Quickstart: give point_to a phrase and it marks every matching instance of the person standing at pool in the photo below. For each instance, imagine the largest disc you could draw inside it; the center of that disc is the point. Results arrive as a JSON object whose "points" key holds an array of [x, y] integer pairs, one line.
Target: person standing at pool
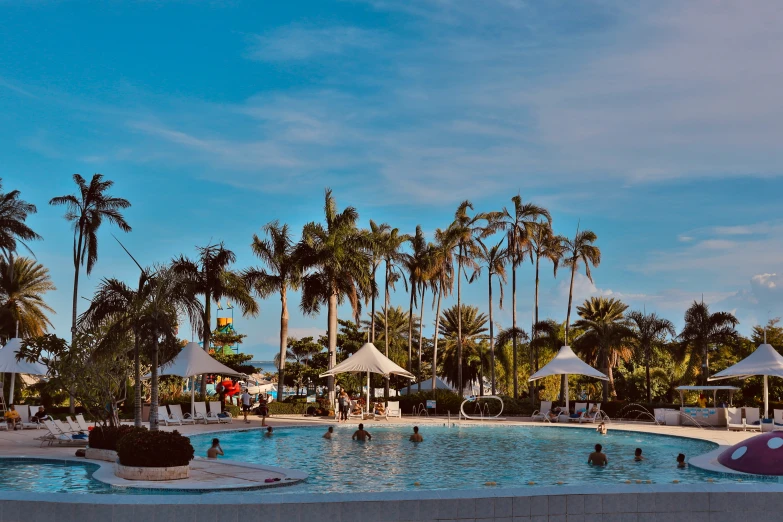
{"points": [[342, 405], [360, 434], [681, 461], [637, 456], [246, 405], [329, 432], [215, 450], [416, 437], [263, 410], [597, 458]]}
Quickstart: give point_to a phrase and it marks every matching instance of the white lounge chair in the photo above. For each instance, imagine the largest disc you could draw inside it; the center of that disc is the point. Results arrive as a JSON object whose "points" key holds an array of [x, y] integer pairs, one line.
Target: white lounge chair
{"points": [[176, 413], [392, 410], [734, 419], [215, 409], [63, 427], [165, 418], [24, 414], [57, 435], [580, 408], [75, 428], [777, 420], [593, 417], [201, 413], [351, 414], [33, 411], [752, 419], [540, 415], [82, 423]]}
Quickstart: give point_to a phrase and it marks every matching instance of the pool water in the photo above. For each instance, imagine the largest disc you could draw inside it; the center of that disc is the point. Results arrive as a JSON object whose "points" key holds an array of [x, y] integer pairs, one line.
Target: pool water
{"points": [[462, 457], [50, 476]]}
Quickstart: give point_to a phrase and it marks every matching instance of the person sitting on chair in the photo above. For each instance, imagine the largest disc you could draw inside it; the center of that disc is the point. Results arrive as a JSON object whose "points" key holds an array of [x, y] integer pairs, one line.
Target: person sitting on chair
{"points": [[12, 417], [554, 413], [379, 409], [39, 416]]}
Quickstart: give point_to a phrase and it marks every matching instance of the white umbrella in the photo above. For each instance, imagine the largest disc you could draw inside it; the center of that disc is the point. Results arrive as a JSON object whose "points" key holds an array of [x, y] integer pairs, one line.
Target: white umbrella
{"points": [[567, 363], [426, 385], [192, 360], [368, 359], [9, 364], [764, 361]]}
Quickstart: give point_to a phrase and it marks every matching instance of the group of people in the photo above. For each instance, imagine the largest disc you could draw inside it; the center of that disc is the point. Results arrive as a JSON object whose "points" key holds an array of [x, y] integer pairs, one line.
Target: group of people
{"points": [[557, 411], [14, 420], [598, 457], [346, 405], [247, 406]]}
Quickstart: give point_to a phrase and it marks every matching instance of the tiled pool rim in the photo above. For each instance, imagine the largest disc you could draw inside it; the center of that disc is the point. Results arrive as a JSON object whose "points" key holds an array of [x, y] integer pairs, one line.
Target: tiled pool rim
{"points": [[622, 503]]}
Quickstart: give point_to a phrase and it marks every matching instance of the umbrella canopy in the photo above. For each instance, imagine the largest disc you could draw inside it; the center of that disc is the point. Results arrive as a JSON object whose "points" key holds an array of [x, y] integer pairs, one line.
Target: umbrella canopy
{"points": [[764, 361], [369, 360], [9, 364], [193, 360], [567, 363], [426, 385]]}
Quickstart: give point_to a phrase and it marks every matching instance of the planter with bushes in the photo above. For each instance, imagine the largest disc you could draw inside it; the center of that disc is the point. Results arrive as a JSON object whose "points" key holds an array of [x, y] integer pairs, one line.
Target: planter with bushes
{"points": [[103, 441], [154, 455]]}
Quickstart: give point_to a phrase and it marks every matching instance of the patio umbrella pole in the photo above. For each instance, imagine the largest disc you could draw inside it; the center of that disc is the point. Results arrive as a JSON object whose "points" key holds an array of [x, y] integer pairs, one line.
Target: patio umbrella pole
{"points": [[368, 392], [566, 392], [13, 380], [192, 395], [766, 396]]}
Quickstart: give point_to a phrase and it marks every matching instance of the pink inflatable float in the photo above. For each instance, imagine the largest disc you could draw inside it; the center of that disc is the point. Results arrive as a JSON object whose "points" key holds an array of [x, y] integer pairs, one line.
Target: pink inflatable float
{"points": [[760, 455]]}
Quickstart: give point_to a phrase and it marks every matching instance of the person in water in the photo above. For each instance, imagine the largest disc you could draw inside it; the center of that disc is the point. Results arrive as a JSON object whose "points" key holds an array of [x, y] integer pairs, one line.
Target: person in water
{"points": [[681, 461], [637, 456], [601, 429], [215, 450], [597, 458], [360, 434], [416, 437], [329, 432]]}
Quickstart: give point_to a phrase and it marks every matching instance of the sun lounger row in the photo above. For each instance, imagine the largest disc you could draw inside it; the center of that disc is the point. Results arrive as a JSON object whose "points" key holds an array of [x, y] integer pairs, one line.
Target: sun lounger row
{"points": [[174, 416], [583, 412], [71, 432], [26, 414]]}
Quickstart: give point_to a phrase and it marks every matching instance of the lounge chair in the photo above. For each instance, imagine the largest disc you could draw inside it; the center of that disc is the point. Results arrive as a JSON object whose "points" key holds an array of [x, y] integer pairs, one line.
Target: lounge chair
{"points": [[176, 413], [165, 418], [351, 414], [752, 419], [82, 423], [777, 420], [201, 413], [24, 414], [215, 409], [734, 419], [75, 428], [540, 415], [57, 435], [593, 417], [63, 427], [580, 408], [392, 410]]}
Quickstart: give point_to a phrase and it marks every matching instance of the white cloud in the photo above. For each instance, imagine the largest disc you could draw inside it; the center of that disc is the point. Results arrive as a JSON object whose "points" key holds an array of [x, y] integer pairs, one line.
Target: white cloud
{"points": [[295, 332], [297, 42]]}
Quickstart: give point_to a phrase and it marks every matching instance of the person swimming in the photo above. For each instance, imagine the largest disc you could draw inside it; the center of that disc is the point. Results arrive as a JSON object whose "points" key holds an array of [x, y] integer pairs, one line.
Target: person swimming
{"points": [[215, 450], [416, 437], [268, 431], [597, 458], [602, 429], [637, 456], [681, 461], [360, 434], [329, 432]]}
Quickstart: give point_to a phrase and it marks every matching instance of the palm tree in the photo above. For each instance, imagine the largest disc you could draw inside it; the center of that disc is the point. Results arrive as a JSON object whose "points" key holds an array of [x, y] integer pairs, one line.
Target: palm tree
{"points": [[392, 257], [416, 265], [13, 214], [519, 225], [472, 327], [466, 231], [87, 210], [576, 251], [649, 330], [441, 275], [605, 332], [510, 361], [338, 254], [378, 235], [23, 283], [494, 260], [210, 276], [703, 329], [544, 244], [278, 252]]}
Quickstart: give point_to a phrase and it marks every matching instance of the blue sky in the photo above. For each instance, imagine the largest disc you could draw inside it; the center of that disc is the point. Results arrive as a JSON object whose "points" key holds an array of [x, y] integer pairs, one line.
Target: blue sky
{"points": [[658, 125]]}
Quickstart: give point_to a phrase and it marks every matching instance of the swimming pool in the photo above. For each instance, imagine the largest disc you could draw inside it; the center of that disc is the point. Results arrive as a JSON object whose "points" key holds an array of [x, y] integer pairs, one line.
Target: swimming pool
{"points": [[50, 476], [465, 457]]}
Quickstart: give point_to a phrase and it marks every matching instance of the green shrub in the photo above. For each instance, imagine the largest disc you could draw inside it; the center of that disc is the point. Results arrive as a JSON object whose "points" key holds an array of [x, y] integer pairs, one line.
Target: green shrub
{"points": [[288, 408], [154, 449], [106, 437], [232, 409]]}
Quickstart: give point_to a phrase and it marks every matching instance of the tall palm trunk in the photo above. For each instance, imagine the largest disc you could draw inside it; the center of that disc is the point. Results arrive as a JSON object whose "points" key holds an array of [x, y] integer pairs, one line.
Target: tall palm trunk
{"points": [[435, 345], [372, 311], [283, 341], [459, 323], [386, 331], [514, 326], [491, 342], [332, 333], [207, 337], [154, 379], [647, 370], [410, 337], [567, 324], [421, 339], [77, 261], [533, 335], [137, 411]]}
